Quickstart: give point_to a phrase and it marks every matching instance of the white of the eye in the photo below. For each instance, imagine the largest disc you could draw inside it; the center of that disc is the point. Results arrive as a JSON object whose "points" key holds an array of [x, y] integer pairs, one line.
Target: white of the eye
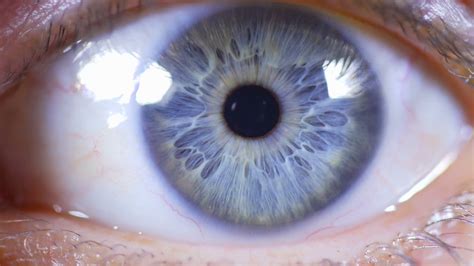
{"points": [[95, 158]]}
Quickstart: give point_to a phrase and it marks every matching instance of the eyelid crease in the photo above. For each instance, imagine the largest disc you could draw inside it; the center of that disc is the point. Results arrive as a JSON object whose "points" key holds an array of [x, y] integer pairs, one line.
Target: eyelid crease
{"points": [[71, 23], [35, 241]]}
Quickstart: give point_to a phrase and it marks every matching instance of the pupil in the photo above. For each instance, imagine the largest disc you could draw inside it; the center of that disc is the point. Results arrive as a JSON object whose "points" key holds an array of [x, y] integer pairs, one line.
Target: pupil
{"points": [[251, 111]]}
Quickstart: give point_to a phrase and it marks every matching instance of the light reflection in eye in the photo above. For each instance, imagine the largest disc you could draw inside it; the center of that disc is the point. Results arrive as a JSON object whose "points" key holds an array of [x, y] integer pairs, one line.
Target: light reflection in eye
{"points": [[116, 82], [117, 76], [341, 81], [78, 214], [153, 85], [116, 119], [436, 172]]}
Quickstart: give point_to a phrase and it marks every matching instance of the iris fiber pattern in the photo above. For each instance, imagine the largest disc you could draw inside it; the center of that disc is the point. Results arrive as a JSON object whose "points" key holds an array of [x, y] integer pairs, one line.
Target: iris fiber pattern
{"points": [[321, 144]]}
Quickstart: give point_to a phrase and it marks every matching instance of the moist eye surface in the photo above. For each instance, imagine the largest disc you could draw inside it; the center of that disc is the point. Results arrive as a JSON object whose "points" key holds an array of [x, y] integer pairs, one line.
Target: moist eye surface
{"points": [[272, 115], [251, 111]]}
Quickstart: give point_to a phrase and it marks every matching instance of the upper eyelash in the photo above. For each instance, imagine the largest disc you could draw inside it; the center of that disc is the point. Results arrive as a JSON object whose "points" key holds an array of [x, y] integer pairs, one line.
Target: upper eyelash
{"points": [[457, 54], [63, 30], [60, 38]]}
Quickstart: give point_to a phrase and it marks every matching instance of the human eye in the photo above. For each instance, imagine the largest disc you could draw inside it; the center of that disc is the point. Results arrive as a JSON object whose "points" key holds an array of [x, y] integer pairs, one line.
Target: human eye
{"points": [[373, 138]]}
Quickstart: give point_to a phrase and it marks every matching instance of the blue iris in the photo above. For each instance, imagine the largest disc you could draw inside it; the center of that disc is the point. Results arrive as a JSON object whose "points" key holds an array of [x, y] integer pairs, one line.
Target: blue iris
{"points": [[315, 152]]}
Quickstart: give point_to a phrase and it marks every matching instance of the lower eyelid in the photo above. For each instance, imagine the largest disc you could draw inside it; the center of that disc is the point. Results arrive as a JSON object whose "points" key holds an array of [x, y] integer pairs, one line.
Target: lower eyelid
{"points": [[24, 244], [28, 237], [109, 250]]}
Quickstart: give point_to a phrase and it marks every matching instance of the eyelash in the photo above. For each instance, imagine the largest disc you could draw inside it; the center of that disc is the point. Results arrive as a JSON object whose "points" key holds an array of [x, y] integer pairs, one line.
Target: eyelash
{"points": [[59, 38], [405, 18], [457, 58], [459, 210], [63, 29]]}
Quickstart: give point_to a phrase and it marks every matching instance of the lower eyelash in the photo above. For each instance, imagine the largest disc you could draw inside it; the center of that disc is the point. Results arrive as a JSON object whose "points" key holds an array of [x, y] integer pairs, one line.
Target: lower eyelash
{"points": [[457, 213], [36, 241]]}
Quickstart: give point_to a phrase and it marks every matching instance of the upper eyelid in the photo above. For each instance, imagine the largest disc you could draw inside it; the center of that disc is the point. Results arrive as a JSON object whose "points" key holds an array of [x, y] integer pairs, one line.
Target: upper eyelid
{"points": [[75, 17], [443, 28], [40, 28]]}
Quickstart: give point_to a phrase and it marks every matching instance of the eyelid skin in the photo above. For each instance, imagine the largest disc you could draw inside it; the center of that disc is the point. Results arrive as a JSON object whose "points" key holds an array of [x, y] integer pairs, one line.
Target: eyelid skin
{"points": [[31, 234], [34, 38], [38, 28], [444, 28]]}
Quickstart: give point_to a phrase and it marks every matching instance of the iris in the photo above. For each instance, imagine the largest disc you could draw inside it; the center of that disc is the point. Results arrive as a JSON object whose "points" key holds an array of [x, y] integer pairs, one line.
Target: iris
{"points": [[271, 117]]}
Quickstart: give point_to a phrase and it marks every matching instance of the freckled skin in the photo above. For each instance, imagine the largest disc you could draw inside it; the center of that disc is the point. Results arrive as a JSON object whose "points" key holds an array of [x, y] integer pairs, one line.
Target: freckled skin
{"points": [[459, 177]]}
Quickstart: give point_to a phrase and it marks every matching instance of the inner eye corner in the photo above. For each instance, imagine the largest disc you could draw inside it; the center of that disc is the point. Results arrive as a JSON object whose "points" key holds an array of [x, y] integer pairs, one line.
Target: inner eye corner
{"points": [[266, 128]]}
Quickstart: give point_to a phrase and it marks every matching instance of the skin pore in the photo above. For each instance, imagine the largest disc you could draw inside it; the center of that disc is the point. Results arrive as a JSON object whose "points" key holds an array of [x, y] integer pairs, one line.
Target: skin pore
{"points": [[441, 30]]}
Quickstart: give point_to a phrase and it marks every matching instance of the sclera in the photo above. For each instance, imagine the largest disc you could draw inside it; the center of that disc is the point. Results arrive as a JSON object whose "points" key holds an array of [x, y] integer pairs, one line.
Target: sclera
{"points": [[90, 155]]}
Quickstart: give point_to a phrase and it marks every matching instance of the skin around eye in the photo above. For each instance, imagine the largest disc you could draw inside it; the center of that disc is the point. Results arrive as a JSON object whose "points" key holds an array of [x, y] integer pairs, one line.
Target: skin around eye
{"points": [[91, 149], [100, 245]]}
